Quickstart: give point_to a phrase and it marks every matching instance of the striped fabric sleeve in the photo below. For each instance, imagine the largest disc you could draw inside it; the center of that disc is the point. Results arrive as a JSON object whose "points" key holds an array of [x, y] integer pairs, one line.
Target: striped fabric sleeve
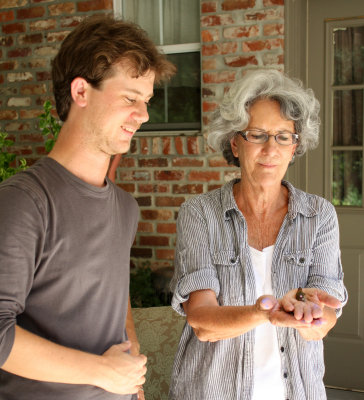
{"points": [[193, 267], [326, 271]]}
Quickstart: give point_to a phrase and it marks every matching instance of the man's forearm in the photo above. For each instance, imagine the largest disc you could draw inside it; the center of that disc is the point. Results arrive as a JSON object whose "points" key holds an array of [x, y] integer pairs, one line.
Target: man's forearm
{"points": [[36, 358]]}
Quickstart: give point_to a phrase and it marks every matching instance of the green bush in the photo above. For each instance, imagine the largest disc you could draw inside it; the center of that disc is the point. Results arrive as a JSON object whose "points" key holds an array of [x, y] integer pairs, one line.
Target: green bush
{"points": [[7, 159]]}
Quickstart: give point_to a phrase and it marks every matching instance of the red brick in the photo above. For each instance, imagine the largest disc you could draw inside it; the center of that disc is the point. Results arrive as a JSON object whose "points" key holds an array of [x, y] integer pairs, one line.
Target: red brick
{"points": [[30, 114], [193, 145], [273, 13], [229, 5], [157, 215], [168, 175], [211, 35], [187, 162], [8, 114], [216, 20], [164, 254], [146, 227], [144, 145], [21, 52], [273, 29], [209, 106], [133, 147], [127, 162], [210, 63], [219, 77], [70, 22], [166, 143], [240, 61], [208, 92], [7, 65], [210, 50], [166, 228], [208, 6], [6, 41], [272, 59], [213, 187], [128, 187], [43, 25], [268, 3], [55, 37], [217, 161], [169, 201], [241, 31], [229, 47], [153, 240], [31, 137], [41, 150], [129, 175], [30, 12], [153, 188], [16, 27], [6, 16], [22, 150], [141, 252], [94, 5], [30, 39], [61, 8], [152, 162], [16, 127], [188, 189], [145, 201], [178, 142], [43, 76], [204, 176]]}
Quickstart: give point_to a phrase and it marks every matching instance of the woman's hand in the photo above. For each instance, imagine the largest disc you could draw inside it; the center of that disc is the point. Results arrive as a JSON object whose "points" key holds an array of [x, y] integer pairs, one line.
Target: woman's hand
{"points": [[316, 312]]}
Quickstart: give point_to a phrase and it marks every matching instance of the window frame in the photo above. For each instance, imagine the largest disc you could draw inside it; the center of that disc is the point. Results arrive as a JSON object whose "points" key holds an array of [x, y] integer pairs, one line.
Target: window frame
{"points": [[172, 128]]}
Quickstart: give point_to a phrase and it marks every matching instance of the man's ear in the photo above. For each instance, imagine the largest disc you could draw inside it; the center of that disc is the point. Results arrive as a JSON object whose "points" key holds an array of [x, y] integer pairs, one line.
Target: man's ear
{"points": [[79, 88]]}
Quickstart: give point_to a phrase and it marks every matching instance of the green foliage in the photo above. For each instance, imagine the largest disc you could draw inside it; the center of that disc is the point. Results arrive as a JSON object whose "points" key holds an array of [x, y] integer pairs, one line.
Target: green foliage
{"points": [[142, 290], [49, 126], [7, 159]]}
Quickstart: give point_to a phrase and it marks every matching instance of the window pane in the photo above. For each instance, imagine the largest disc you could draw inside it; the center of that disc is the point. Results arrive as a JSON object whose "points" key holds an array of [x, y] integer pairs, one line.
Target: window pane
{"points": [[179, 100], [347, 178], [348, 118], [349, 55], [181, 20], [144, 13]]}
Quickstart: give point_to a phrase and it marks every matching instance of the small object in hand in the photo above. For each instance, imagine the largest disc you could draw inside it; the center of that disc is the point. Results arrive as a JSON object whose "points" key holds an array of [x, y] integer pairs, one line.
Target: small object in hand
{"points": [[300, 296]]}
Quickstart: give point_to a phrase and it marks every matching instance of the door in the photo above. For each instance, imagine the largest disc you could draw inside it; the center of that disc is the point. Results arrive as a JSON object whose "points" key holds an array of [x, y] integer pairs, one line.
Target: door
{"points": [[328, 54]]}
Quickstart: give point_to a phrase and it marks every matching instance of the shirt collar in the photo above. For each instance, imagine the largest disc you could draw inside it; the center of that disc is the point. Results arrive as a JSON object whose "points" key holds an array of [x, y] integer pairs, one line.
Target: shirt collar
{"points": [[298, 201]]}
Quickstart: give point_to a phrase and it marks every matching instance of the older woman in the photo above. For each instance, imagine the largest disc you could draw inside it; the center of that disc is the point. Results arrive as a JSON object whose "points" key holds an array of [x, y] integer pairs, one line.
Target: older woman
{"points": [[244, 252]]}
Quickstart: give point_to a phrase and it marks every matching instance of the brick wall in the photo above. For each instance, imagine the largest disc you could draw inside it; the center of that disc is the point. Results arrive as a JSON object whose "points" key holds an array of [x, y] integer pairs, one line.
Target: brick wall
{"points": [[161, 171]]}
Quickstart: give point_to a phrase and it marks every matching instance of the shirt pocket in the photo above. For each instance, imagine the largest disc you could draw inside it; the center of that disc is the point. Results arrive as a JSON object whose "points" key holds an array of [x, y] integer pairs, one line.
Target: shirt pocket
{"points": [[228, 267], [297, 267]]}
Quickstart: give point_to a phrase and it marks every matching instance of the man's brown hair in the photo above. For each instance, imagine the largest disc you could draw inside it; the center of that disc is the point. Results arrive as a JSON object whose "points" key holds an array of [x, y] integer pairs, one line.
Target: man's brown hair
{"points": [[94, 46]]}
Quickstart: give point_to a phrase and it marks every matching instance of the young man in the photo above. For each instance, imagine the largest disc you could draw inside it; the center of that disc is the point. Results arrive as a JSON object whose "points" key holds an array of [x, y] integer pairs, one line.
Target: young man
{"points": [[65, 316]]}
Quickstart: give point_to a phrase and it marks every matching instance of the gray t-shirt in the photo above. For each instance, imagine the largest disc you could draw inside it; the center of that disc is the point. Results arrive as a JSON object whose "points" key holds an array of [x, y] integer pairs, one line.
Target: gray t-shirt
{"points": [[64, 269]]}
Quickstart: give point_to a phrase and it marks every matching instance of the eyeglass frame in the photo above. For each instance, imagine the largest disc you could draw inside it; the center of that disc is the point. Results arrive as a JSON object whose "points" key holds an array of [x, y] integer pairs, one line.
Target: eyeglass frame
{"points": [[267, 136]]}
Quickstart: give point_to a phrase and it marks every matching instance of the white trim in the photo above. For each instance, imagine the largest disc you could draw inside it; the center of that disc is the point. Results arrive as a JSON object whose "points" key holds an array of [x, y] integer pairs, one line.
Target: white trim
{"points": [[118, 8], [180, 48]]}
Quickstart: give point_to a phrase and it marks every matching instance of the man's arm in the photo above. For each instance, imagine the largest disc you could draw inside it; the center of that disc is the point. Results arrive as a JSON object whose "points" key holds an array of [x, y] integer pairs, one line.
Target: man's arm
{"points": [[36, 358]]}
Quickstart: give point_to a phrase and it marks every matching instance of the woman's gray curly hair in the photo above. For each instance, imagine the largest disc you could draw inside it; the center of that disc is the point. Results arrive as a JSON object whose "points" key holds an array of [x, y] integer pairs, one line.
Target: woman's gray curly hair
{"points": [[297, 104]]}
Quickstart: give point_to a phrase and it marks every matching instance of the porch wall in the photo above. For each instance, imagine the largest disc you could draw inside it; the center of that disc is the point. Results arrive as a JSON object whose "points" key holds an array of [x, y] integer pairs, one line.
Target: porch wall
{"points": [[161, 171]]}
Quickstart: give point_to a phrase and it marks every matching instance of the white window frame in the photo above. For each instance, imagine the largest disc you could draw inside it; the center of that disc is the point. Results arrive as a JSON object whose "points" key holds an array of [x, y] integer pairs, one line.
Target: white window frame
{"points": [[166, 49]]}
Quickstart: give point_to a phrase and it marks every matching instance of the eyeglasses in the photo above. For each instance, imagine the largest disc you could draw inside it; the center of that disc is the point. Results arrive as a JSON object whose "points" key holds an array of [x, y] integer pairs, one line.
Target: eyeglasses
{"points": [[259, 136]]}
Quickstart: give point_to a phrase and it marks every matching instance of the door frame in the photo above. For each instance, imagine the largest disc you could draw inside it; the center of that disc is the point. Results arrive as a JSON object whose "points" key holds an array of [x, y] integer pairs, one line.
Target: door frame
{"points": [[295, 66]]}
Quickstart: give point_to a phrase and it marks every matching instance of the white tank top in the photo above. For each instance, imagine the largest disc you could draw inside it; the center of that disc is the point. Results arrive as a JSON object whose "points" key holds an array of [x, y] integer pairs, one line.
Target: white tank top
{"points": [[268, 383]]}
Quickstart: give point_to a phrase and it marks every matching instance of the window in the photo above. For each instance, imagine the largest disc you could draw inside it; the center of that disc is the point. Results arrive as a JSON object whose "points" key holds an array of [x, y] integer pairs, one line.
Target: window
{"points": [[174, 26], [347, 113]]}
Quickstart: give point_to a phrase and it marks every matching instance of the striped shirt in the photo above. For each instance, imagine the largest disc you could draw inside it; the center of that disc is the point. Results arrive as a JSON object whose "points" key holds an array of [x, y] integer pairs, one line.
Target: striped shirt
{"points": [[213, 253]]}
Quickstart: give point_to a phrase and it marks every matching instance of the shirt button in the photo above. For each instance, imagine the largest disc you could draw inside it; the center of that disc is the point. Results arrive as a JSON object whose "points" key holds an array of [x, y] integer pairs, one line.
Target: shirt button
{"points": [[282, 349], [301, 260], [232, 260], [285, 375]]}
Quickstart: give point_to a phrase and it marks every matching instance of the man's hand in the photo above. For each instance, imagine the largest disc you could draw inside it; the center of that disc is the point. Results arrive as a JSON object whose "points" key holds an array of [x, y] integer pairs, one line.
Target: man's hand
{"points": [[124, 372]]}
